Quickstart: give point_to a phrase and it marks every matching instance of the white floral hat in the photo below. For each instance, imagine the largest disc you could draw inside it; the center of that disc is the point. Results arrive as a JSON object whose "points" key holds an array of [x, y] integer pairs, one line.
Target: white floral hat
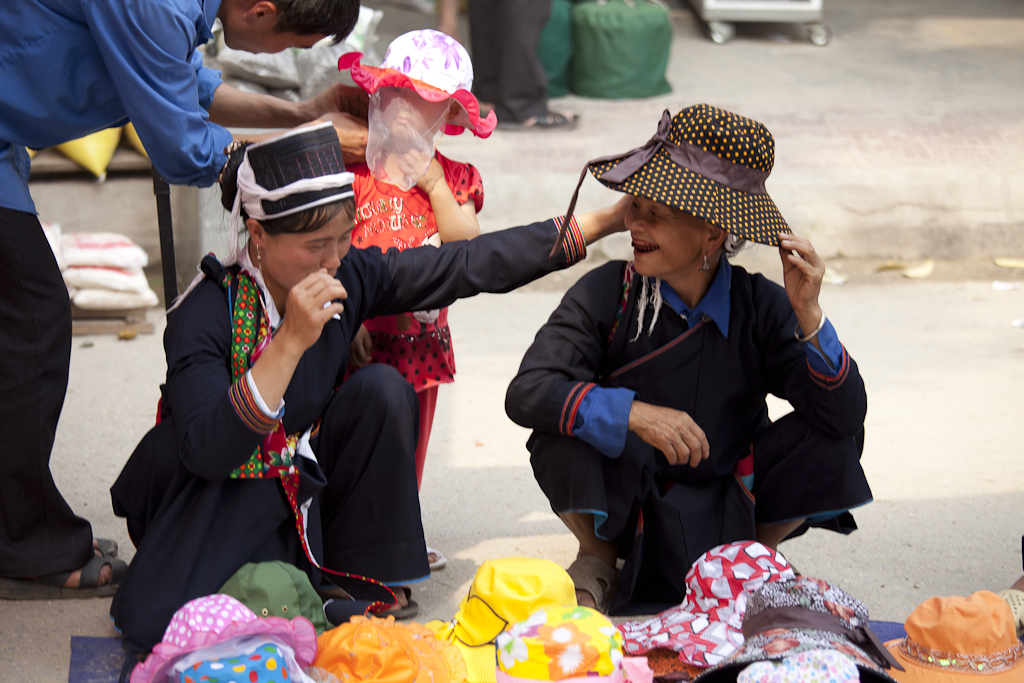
{"points": [[433, 64], [566, 644]]}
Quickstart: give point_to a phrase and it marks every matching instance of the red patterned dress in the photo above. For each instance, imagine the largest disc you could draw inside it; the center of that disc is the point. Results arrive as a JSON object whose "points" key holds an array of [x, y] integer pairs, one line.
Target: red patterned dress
{"points": [[388, 217]]}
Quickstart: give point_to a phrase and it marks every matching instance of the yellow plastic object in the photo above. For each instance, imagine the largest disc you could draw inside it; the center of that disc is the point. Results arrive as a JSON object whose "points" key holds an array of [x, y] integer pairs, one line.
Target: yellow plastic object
{"points": [[132, 136], [1010, 262], [93, 152], [922, 270], [561, 642]]}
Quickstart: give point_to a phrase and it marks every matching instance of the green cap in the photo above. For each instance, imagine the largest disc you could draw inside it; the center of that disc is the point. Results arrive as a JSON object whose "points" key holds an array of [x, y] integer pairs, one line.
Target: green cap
{"points": [[276, 589]]}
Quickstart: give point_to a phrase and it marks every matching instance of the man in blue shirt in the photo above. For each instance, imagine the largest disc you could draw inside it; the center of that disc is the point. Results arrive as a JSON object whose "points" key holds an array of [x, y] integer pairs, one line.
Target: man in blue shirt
{"points": [[70, 68]]}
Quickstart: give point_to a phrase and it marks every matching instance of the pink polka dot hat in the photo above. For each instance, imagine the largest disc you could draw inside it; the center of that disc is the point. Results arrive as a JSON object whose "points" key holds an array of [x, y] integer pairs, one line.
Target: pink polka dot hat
{"points": [[214, 619]]}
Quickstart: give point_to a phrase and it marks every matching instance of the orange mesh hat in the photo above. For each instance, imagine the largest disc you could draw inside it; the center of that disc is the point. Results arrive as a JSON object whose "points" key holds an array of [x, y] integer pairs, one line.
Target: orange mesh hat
{"points": [[383, 651], [960, 640], [706, 161]]}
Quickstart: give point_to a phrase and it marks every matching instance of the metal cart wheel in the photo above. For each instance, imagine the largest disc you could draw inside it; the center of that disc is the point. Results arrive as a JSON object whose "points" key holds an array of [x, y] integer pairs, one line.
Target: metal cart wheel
{"points": [[819, 33], [721, 31]]}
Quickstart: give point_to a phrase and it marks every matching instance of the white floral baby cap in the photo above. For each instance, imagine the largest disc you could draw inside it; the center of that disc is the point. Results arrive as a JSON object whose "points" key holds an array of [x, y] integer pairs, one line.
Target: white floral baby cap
{"points": [[812, 666], [432, 57]]}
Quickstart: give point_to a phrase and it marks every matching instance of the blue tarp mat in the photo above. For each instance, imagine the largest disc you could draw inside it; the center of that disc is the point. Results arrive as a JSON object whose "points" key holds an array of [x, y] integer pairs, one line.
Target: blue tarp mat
{"points": [[95, 660]]}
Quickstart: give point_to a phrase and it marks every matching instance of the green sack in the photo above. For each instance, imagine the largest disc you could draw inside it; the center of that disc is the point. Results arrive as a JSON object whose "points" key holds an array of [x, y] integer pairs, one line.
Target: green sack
{"points": [[555, 47], [621, 49]]}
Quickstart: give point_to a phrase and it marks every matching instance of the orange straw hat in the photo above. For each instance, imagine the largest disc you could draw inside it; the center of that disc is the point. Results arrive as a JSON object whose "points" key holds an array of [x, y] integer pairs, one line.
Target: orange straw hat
{"points": [[960, 640]]}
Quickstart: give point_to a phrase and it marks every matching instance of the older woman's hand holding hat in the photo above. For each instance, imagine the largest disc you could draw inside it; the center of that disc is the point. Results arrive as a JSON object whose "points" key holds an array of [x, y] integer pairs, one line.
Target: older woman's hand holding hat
{"points": [[803, 271]]}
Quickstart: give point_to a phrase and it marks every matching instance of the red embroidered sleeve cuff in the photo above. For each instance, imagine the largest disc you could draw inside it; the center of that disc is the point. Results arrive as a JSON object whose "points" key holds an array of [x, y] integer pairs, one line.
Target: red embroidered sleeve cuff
{"points": [[251, 408], [574, 244], [835, 382], [572, 406]]}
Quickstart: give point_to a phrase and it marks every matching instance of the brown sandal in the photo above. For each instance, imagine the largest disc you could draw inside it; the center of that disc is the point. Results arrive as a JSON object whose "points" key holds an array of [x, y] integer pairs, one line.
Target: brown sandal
{"points": [[593, 575]]}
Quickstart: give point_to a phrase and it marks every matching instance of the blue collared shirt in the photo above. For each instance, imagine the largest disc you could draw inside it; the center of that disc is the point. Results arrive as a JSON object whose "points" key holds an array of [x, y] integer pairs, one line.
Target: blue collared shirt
{"points": [[73, 67], [603, 416]]}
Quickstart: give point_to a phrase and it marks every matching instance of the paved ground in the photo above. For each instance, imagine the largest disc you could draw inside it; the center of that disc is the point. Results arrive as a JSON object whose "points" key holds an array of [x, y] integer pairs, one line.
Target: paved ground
{"points": [[900, 139]]}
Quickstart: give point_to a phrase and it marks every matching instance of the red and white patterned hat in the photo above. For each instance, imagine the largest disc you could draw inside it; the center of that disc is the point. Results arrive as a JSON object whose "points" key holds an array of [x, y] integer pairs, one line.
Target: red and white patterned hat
{"points": [[707, 627]]}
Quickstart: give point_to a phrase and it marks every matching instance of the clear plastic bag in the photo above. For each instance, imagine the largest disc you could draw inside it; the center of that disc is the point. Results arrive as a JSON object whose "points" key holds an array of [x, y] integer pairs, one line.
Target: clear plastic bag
{"points": [[403, 134], [270, 70]]}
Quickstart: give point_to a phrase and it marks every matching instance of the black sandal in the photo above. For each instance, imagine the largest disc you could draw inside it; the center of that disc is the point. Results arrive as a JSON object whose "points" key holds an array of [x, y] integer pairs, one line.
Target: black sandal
{"points": [[549, 120], [51, 586], [411, 609]]}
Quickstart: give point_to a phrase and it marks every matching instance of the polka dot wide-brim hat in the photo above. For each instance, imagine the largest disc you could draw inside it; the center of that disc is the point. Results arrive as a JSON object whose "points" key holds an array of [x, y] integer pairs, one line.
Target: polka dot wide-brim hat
{"points": [[708, 162], [215, 619]]}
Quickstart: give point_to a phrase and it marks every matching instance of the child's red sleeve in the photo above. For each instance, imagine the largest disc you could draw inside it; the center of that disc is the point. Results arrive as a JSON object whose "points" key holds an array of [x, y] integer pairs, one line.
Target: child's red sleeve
{"points": [[464, 181]]}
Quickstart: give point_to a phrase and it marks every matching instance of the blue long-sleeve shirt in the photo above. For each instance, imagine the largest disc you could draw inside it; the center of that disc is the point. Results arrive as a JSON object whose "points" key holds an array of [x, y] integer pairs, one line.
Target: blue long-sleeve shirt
{"points": [[603, 416], [73, 67]]}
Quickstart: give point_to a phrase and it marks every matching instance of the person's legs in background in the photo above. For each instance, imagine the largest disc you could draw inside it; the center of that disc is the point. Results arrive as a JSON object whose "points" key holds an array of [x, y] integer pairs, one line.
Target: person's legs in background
{"points": [[39, 533], [504, 35]]}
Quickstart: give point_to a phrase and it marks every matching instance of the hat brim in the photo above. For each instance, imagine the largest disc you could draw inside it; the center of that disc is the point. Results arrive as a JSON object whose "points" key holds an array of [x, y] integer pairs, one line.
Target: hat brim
{"points": [[372, 78], [916, 672], [299, 634], [750, 216]]}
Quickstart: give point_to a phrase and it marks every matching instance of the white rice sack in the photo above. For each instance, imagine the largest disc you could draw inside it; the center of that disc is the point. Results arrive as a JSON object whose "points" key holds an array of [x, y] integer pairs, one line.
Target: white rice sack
{"points": [[107, 300], [53, 236], [275, 70], [103, 249], [99, 277]]}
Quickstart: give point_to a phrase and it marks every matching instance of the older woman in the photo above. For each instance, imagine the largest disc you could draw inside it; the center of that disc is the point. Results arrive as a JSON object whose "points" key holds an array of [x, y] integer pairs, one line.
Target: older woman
{"points": [[646, 388], [259, 454]]}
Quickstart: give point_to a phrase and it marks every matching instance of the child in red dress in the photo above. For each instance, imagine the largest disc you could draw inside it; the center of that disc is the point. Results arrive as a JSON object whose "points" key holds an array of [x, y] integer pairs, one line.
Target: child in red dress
{"points": [[410, 195]]}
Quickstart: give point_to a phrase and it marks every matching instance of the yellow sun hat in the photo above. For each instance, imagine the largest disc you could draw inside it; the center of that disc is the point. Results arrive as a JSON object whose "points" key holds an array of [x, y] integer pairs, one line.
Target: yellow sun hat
{"points": [[503, 592]]}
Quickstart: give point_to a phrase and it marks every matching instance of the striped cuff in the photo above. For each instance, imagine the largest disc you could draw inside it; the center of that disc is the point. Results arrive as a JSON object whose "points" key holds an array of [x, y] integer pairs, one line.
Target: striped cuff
{"points": [[572, 406], [573, 243], [829, 383], [251, 408]]}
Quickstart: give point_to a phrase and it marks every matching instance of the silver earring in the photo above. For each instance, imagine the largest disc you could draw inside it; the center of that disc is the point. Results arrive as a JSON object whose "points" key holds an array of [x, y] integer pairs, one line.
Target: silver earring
{"points": [[703, 269]]}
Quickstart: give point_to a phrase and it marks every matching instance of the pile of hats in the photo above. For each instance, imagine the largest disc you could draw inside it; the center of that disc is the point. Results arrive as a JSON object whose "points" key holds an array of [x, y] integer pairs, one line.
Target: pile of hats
{"points": [[103, 271], [519, 623]]}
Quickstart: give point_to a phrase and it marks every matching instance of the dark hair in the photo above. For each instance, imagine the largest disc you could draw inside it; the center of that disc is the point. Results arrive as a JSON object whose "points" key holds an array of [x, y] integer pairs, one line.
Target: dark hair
{"points": [[309, 220], [305, 17]]}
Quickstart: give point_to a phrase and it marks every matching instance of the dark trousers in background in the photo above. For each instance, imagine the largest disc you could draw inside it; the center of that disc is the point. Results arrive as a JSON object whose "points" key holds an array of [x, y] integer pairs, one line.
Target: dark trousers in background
{"points": [[504, 35], [39, 534]]}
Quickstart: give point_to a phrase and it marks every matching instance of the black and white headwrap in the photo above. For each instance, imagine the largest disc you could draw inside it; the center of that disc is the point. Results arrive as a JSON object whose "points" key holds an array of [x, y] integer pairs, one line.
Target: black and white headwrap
{"points": [[297, 171], [294, 172]]}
